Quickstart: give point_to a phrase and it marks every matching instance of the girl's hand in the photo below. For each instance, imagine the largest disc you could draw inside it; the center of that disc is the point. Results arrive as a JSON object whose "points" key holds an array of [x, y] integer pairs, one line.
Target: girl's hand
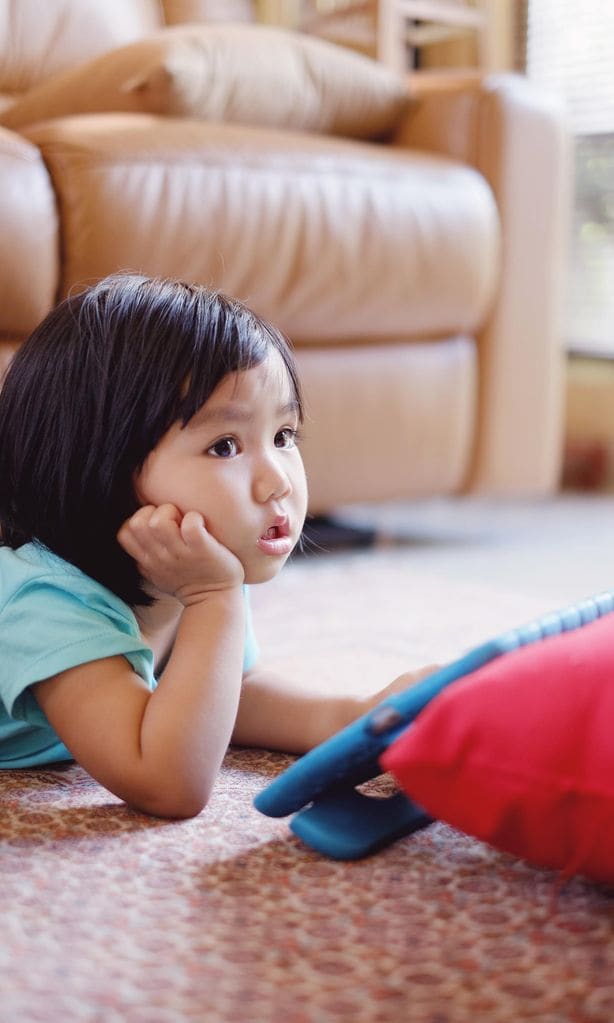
{"points": [[177, 554], [404, 681], [276, 714]]}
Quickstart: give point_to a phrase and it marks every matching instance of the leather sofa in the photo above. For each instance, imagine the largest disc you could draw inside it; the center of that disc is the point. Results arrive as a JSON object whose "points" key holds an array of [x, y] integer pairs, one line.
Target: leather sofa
{"points": [[418, 273]]}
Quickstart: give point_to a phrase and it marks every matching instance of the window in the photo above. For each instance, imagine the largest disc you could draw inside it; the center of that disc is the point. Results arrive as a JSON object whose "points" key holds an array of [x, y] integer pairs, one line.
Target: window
{"points": [[570, 49]]}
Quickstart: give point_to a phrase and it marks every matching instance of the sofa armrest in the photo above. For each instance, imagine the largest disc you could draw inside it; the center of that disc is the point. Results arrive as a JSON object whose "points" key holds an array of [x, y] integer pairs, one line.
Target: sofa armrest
{"points": [[29, 240], [516, 137]]}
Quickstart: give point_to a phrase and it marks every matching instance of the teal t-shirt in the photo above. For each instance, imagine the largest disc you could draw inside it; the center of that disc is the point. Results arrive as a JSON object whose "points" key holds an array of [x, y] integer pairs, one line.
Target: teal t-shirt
{"points": [[54, 617]]}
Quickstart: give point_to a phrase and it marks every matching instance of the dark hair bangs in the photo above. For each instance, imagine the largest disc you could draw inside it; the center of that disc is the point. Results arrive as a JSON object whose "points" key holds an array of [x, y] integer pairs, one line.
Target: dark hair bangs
{"points": [[238, 340]]}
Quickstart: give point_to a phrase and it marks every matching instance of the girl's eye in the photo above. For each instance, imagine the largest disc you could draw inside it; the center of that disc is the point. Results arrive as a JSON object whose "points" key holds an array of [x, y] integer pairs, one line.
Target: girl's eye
{"points": [[286, 438], [224, 448]]}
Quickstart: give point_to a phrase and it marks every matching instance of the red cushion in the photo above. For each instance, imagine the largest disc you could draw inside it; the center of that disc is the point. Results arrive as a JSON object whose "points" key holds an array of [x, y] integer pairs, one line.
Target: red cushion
{"points": [[521, 753]]}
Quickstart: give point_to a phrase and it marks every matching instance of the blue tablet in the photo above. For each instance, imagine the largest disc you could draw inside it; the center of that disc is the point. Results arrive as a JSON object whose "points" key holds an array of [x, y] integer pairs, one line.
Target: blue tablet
{"points": [[339, 820]]}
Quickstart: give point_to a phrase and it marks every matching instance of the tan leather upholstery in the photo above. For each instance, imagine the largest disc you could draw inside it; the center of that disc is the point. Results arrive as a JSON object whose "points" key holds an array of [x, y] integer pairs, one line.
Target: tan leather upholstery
{"points": [[420, 280], [294, 224], [29, 238], [228, 74], [418, 440], [39, 39], [520, 343]]}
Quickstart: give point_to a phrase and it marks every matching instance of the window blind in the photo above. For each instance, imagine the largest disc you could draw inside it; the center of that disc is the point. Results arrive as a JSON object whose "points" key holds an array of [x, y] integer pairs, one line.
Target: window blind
{"points": [[570, 50]]}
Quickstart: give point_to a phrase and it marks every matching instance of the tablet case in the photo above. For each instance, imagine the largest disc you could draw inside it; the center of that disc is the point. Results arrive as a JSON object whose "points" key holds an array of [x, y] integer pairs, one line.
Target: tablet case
{"points": [[334, 816]]}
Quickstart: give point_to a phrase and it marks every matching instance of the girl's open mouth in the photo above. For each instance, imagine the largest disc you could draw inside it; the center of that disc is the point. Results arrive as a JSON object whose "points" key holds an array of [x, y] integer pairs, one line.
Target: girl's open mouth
{"points": [[277, 540]]}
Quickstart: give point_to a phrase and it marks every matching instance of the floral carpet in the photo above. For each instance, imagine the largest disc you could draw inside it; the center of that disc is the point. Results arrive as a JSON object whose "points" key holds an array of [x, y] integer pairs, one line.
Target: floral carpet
{"points": [[109, 916]]}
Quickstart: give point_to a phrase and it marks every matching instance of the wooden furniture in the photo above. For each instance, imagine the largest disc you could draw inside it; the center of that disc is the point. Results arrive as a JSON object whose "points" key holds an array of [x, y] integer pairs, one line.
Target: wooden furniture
{"points": [[394, 31]]}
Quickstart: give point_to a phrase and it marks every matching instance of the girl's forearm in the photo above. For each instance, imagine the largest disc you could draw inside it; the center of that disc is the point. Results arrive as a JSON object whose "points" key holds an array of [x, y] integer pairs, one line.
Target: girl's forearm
{"points": [[188, 719], [159, 751], [274, 714]]}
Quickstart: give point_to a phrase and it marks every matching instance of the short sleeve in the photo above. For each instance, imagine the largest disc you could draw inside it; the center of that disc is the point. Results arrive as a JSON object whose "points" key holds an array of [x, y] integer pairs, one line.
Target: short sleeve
{"points": [[53, 617], [251, 651], [53, 628]]}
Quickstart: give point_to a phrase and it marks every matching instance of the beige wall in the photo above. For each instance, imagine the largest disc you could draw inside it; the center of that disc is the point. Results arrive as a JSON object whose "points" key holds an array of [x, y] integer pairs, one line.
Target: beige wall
{"points": [[278, 12], [590, 419]]}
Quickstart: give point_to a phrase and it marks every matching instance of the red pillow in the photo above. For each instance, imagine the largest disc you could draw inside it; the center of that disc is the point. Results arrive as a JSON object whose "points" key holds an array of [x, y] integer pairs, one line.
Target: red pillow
{"points": [[521, 753]]}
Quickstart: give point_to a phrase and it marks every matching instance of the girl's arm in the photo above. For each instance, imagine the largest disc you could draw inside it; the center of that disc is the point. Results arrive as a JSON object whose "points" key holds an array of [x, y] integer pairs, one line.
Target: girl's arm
{"points": [[274, 714], [161, 751]]}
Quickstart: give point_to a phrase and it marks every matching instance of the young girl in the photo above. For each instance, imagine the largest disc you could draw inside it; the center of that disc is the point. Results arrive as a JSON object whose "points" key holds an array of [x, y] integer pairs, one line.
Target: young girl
{"points": [[149, 469]]}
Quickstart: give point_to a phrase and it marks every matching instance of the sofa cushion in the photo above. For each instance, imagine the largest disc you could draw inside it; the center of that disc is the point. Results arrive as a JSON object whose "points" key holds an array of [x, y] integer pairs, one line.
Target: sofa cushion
{"points": [[330, 238], [38, 40], [29, 240], [405, 410], [249, 74]]}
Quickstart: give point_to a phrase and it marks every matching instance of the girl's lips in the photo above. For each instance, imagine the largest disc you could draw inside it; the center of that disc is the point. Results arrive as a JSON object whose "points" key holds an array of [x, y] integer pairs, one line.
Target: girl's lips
{"points": [[277, 540]]}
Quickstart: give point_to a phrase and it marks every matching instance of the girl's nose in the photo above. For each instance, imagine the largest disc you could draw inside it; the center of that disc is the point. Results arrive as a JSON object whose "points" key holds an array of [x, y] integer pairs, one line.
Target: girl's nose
{"points": [[271, 481]]}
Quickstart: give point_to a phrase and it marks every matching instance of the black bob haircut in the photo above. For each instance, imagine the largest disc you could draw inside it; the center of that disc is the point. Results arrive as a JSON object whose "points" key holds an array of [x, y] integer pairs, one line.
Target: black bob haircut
{"points": [[91, 393]]}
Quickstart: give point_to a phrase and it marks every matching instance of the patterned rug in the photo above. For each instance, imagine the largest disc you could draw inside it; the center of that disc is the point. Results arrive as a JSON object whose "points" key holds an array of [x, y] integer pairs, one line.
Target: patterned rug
{"points": [[109, 916]]}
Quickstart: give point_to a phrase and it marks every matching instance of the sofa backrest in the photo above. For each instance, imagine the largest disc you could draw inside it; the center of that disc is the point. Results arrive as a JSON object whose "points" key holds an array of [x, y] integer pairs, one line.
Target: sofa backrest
{"points": [[41, 37], [38, 39]]}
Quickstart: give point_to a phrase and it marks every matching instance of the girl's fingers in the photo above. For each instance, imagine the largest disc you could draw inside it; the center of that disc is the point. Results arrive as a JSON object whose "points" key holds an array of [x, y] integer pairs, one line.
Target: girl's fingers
{"points": [[153, 527], [153, 535], [163, 526], [193, 529], [131, 533], [174, 551], [163, 516]]}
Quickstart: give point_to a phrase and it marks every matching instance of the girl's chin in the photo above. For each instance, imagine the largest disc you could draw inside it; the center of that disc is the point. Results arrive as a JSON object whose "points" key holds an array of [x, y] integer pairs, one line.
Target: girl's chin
{"points": [[266, 570]]}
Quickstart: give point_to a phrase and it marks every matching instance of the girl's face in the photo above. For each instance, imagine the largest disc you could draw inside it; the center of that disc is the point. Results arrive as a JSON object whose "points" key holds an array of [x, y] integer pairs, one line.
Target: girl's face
{"points": [[236, 462]]}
